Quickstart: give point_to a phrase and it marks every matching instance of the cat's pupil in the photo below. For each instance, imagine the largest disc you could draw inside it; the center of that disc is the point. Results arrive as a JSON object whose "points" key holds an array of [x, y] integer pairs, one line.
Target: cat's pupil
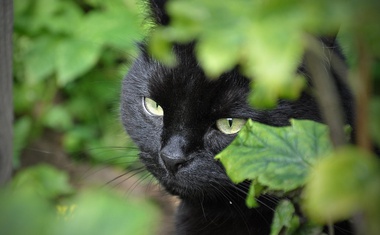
{"points": [[230, 121]]}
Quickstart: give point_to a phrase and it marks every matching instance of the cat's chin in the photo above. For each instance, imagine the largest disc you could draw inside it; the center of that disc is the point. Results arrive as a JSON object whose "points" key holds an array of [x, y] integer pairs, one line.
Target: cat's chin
{"points": [[201, 179]]}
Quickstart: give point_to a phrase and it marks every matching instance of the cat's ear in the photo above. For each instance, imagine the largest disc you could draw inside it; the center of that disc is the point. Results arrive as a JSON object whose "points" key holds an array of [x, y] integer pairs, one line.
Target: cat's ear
{"points": [[158, 12], [329, 41]]}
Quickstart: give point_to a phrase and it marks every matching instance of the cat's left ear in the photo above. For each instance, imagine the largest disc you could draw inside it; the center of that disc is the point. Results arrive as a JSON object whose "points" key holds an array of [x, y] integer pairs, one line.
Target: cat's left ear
{"points": [[158, 12]]}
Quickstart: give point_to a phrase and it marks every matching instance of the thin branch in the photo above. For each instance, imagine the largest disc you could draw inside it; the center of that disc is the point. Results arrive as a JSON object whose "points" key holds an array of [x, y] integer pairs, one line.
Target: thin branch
{"points": [[318, 64], [362, 98]]}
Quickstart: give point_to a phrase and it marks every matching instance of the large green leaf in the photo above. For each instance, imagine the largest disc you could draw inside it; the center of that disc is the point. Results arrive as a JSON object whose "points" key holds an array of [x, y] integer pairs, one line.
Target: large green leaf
{"points": [[343, 184], [278, 157]]}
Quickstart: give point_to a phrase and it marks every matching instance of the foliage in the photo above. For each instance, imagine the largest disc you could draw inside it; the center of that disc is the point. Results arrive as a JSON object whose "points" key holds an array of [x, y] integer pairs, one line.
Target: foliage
{"points": [[28, 206], [284, 217], [267, 40], [332, 196], [277, 157], [69, 57]]}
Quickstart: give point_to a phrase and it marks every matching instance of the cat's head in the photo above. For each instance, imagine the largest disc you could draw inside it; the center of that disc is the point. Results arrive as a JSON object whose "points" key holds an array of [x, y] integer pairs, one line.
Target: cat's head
{"points": [[180, 120]]}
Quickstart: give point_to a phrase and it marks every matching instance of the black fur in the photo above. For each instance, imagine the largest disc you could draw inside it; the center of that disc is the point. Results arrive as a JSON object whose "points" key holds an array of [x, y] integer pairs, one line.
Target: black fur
{"points": [[210, 202]]}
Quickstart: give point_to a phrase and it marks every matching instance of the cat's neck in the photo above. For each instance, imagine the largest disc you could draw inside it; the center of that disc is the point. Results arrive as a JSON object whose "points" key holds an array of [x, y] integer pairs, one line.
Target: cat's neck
{"points": [[221, 218]]}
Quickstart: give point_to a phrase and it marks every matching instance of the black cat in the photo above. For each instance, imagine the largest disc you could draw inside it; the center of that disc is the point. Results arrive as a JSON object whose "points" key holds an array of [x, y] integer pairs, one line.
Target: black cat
{"points": [[180, 120]]}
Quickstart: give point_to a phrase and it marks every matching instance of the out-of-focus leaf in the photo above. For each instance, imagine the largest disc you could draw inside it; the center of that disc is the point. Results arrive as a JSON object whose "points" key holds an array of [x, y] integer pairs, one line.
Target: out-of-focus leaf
{"points": [[75, 57], [268, 37], [21, 130], [57, 117], [343, 184], [220, 55], [27, 206], [284, 218], [40, 60], [64, 17], [375, 120], [42, 180], [161, 48], [24, 213], [99, 213], [279, 158], [117, 25]]}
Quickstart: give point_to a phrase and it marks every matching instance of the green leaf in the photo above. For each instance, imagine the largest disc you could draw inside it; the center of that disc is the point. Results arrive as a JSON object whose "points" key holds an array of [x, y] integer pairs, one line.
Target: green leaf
{"points": [[343, 184], [40, 59], [57, 117], [42, 180], [23, 213], [374, 119], [117, 25], [99, 213], [217, 56], [161, 49], [254, 190], [22, 129], [74, 57], [284, 217], [277, 157]]}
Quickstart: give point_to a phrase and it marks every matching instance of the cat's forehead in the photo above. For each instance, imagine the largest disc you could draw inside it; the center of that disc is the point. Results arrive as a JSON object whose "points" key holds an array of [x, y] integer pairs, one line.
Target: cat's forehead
{"points": [[187, 85]]}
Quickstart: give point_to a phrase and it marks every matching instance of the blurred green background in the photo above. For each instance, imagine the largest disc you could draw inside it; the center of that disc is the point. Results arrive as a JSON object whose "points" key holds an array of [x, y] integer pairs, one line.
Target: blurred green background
{"points": [[69, 59]]}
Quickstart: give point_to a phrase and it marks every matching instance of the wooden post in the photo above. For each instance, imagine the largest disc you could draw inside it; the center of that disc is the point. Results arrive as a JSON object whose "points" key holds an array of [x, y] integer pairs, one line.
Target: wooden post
{"points": [[6, 101]]}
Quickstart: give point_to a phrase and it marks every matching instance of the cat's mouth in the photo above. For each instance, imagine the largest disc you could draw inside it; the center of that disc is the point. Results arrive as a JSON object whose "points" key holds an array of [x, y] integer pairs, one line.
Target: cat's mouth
{"points": [[191, 178]]}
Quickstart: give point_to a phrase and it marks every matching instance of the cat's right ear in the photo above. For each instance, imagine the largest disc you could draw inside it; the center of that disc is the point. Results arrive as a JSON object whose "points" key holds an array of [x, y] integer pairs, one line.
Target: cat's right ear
{"points": [[158, 12]]}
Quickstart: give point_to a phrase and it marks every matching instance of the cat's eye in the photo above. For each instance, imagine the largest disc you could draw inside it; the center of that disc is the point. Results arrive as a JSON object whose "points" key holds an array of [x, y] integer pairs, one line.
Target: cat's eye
{"points": [[152, 107], [230, 126]]}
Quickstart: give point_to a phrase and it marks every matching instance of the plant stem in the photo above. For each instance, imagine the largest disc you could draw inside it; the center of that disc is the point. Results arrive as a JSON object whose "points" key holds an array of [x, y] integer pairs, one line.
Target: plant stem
{"points": [[362, 98], [327, 95]]}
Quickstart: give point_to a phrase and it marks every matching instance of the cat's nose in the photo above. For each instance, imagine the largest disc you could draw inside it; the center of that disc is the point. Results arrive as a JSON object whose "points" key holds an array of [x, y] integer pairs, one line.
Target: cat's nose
{"points": [[173, 155], [172, 162]]}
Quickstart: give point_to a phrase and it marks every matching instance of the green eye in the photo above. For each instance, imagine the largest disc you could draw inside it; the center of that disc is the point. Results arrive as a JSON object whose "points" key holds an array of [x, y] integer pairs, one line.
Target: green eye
{"points": [[230, 126], [152, 107]]}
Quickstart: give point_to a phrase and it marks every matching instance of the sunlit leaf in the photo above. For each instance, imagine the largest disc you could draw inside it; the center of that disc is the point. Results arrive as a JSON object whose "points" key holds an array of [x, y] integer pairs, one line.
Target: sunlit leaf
{"points": [[276, 157]]}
